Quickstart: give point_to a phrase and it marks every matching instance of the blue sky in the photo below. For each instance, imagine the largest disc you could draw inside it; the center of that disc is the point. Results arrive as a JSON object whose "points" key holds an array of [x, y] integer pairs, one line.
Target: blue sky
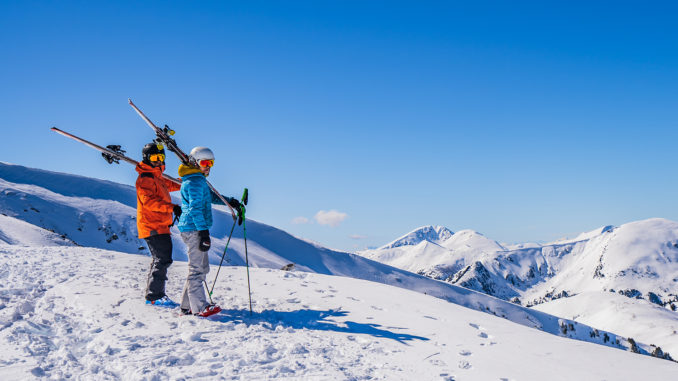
{"points": [[525, 121]]}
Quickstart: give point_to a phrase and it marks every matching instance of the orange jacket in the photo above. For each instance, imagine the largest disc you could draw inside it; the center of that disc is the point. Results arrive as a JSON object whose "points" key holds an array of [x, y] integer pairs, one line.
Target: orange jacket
{"points": [[154, 205]]}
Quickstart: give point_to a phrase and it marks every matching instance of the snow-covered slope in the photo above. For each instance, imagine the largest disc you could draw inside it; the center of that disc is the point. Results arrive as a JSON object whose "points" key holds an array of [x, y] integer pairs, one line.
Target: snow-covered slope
{"points": [[638, 259], [77, 313], [17, 232], [635, 318], [90, 220]]}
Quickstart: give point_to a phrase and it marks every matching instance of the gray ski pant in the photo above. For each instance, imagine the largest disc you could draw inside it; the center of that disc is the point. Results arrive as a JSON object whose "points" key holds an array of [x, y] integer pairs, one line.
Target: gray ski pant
{"points": [[193, 297]]}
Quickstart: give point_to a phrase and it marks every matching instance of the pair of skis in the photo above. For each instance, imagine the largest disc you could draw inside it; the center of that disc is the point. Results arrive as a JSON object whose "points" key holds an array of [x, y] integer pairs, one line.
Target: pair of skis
{"points": [[113, 154]]}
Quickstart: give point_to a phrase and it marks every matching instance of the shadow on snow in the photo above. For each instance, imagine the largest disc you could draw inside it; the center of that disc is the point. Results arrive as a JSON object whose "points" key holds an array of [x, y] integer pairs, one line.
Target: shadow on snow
{"points": [[311, 320]]}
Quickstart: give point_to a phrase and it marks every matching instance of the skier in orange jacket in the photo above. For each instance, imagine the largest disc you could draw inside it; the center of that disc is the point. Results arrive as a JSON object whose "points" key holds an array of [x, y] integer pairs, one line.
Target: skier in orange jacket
{"points": [[154, 218]]}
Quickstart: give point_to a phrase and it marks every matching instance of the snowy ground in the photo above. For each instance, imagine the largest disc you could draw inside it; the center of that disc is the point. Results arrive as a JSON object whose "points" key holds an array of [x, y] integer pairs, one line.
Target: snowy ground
{"points": [[635, 318], [78, 312]]}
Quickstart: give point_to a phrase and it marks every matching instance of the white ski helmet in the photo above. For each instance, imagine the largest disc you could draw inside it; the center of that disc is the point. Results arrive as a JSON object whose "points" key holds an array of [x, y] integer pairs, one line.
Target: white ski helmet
{"points": [[201, 153]]}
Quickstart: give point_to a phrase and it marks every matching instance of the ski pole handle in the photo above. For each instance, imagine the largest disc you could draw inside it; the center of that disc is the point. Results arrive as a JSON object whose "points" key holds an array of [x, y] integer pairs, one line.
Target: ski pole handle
{"points": [[245, 196]]}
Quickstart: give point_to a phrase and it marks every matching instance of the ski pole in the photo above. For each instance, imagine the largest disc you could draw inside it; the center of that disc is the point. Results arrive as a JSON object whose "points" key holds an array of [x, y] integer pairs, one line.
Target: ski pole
{"points": [[222, 259], [241, 212], [208, 293], [247, 262]]}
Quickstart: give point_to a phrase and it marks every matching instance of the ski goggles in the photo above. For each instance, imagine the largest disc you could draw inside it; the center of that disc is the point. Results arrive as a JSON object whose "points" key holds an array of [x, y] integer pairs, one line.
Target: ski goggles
{"points": [[206, 163], [157, 157]]}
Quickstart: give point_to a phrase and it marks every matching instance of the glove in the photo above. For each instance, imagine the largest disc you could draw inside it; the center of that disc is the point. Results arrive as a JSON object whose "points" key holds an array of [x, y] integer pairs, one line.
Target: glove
{"points": [[177, 210], [205, 242], [234, 203], [240, 208]]}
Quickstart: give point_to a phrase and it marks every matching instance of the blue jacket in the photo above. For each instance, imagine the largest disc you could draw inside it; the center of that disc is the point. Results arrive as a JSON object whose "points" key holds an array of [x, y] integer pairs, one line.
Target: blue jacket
{"points": [[196, 201]]}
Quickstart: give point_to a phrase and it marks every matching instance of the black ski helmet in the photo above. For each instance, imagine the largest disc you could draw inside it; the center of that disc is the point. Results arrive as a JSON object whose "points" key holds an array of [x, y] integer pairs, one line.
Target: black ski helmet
{"points": [[151, 149]]}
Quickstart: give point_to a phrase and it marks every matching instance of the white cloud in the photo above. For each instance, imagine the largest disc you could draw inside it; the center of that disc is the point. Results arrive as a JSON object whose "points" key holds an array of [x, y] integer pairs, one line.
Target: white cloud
{"points": [[332, 217], [300, 220], [357, 236]]}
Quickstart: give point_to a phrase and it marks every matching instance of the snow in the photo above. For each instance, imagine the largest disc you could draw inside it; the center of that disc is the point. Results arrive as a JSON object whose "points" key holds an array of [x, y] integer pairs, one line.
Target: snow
{"points": [[433, 250], [73, 312], [429, 233], [17, 232], [635, 318], [638, 259], [69, 311]]}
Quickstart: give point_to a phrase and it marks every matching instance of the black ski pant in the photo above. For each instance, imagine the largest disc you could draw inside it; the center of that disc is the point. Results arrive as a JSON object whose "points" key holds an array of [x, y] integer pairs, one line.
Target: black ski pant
{"points": [[160, 246]]}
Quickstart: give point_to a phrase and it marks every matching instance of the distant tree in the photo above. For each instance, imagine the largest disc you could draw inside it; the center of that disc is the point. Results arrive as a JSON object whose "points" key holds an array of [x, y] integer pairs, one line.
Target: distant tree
{"points": [[634, 346]]}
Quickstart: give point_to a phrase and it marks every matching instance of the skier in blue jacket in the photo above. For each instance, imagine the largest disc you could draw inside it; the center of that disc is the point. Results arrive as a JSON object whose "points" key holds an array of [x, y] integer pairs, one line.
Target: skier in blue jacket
{"points": [[194, 225]]}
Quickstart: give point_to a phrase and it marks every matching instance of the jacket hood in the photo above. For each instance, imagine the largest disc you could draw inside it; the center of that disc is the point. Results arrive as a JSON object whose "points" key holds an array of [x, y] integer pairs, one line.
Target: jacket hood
{"points": [[143, 167], [185, 170]]}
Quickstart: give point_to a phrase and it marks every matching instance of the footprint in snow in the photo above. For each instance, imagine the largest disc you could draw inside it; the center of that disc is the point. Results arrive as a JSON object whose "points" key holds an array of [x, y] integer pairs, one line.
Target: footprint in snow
{"points": [[196, 336], [464, 352], [482, 333], [437, 362], [463, 364]]}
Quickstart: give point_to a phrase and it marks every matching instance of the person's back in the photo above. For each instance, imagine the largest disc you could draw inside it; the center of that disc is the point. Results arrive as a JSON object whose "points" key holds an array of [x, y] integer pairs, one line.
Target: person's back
{"points": [[154, 217]]}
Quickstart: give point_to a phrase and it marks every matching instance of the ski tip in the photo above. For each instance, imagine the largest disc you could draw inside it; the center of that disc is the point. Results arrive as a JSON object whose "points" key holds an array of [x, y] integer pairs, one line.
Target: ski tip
{"points": [[129, 100]]}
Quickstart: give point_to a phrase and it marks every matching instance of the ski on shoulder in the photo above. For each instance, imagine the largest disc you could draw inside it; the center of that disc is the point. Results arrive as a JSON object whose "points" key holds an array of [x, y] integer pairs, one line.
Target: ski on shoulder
{"points": [[164, 135], [111, 153]]}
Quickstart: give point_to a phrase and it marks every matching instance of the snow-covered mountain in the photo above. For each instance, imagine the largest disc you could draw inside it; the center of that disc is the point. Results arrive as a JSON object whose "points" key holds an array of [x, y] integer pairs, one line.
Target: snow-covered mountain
{"points": [[434, 251], [638, 260], [46, 208], [435, 234]]}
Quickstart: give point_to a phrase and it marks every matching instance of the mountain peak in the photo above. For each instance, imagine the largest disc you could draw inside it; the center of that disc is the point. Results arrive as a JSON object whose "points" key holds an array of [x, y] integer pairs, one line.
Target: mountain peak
{"points": [[431, 233]]}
